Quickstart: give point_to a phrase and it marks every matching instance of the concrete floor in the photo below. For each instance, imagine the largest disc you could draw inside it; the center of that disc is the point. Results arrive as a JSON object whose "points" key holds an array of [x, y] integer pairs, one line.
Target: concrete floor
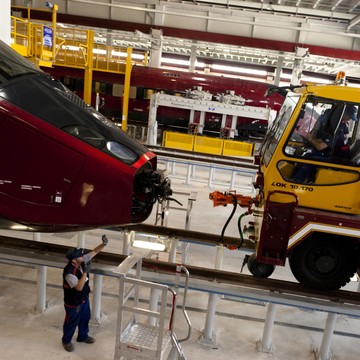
{"points": [[297, 334]]}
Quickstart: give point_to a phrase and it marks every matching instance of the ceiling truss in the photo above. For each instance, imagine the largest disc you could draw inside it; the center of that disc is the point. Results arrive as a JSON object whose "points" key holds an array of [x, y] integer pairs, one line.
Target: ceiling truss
{"points": [[317, 20]]}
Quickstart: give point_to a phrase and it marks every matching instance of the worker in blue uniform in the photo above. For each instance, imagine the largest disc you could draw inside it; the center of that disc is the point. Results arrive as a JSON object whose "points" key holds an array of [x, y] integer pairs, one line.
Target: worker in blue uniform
{"points": [[76, 295], [331, 147]]}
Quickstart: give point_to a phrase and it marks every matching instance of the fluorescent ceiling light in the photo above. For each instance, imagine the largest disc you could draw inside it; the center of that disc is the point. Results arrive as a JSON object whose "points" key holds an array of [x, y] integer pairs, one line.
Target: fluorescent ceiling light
{"points": [[175, 61], [174, 68], [316, 80], [99, 51], [124, 54], [239, 70], [149, 245], [286, 76], [71, 47], [181, 62]]}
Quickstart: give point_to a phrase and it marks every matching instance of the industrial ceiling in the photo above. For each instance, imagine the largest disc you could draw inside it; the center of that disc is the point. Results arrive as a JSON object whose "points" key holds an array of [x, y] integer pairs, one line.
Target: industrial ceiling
{"points": [[258, 32]]}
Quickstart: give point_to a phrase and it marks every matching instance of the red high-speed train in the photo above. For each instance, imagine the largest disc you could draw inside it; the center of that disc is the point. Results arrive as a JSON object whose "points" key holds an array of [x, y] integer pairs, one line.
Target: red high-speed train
{"points": [[147, 80], [64, 165]]}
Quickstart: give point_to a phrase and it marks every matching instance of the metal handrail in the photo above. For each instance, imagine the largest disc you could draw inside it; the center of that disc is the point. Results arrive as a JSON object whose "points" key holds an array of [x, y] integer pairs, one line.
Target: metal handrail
{"points": [[173, 308], [180, 268]]}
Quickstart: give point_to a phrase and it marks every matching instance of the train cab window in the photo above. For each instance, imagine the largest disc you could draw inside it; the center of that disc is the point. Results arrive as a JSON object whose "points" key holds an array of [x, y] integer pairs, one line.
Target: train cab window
{"points": [[88, 135], [102, 88], [324, 132], [95, 139]]}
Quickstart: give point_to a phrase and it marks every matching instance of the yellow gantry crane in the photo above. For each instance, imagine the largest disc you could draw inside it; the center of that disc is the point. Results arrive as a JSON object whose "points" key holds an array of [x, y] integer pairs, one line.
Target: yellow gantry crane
{"points": [[47, 44]]}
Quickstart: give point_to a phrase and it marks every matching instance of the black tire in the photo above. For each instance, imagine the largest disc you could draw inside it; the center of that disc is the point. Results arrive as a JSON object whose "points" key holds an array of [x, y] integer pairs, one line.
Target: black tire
{"points": [[259, 270], [324, 263]]}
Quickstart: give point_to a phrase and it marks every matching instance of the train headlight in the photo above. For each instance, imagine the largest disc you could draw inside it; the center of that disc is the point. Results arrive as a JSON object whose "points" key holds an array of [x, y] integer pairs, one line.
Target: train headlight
{"points": [[121, 151]]}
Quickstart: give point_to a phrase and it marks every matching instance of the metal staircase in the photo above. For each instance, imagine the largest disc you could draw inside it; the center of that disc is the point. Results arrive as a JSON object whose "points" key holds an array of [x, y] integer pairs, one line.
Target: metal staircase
{"points": [[142, 331]]}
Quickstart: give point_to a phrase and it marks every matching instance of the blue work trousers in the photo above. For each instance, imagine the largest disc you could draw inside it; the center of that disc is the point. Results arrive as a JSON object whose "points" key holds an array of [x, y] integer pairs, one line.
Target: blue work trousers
{"points": [[76, 316]]}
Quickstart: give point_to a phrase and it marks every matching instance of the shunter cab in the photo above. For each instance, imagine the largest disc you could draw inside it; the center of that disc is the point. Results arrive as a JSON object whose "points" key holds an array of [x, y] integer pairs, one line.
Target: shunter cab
{"points": [[308, 185], [307, 207]]}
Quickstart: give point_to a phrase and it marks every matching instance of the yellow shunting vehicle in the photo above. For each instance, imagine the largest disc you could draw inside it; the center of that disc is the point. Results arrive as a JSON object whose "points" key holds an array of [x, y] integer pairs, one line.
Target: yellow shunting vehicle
{"points": [[307, 207]]}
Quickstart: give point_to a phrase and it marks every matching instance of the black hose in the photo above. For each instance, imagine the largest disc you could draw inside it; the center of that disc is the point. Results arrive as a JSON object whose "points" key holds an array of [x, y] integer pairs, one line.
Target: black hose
{"points": [[229, 219], [240, 231]]}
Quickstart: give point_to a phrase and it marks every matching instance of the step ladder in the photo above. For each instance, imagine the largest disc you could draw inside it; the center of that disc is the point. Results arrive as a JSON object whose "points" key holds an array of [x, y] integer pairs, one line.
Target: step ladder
{"points": [[145, 328]]}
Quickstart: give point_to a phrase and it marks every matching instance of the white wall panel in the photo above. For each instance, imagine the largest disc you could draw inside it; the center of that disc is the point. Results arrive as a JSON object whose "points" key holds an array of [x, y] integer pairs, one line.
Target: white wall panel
{"points": [[333, 41], [333, 36], [232, 28], [62, 4], [265, 29], [237, 30], [185, 22], [40, 4], [228, 28], [97, 11], [5, 21], [356, 45], [128, 15]]}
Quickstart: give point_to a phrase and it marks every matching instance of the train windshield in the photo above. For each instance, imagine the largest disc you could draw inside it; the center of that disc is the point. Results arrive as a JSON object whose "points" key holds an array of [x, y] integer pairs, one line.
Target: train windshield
{"points": [[13, 65], [278, 127]]}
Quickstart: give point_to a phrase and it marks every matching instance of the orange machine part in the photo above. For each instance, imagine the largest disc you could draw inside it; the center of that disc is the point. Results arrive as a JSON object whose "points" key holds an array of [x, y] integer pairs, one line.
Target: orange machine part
{"points": [[221, 198]]}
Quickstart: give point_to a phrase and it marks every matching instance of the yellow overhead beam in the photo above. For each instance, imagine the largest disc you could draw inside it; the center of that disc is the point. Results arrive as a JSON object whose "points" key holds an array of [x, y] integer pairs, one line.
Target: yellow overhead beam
{"points": [[125, 108], [88, 67]]}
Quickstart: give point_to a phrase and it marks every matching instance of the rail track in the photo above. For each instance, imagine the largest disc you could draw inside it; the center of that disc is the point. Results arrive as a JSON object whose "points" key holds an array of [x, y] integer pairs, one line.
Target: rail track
{"points": [[241, 162], [28, 252]]}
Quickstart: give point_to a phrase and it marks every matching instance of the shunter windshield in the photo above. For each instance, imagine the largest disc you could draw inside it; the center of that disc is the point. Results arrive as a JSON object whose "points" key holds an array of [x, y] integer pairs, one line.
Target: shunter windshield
{"points": [[326, 130], [278, 127], [324, 140]]}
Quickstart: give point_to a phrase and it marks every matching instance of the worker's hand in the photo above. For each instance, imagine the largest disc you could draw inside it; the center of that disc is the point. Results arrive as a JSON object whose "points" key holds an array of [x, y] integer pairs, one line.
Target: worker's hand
{"points": [[104, 240], [87, 267]]}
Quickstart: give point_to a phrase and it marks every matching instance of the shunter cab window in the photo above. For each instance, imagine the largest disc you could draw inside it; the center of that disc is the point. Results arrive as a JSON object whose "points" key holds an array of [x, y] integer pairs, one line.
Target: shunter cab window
{"points": [[278, 127], [325, 135]]}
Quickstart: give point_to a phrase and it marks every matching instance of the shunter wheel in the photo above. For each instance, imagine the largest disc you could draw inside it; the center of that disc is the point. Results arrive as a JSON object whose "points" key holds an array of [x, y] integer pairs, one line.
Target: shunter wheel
{"points": [[323, 263], [259, 270]]}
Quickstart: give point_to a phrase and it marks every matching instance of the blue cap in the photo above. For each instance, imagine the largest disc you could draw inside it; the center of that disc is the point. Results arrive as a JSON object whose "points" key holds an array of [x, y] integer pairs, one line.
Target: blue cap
{"points": [[74, 253]]}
